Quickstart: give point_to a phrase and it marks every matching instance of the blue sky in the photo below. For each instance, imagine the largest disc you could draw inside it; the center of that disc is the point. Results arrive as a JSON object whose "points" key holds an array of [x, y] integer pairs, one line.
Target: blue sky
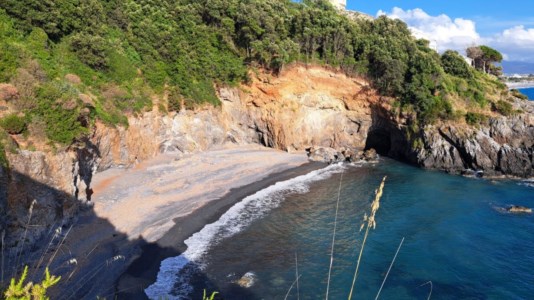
{"points": [[491, 16], [505, 25]]}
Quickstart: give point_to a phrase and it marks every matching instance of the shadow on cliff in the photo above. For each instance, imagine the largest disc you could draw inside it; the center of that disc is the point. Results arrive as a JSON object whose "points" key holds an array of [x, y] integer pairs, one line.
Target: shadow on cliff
{"points": [[388, 138], [91, 256]]}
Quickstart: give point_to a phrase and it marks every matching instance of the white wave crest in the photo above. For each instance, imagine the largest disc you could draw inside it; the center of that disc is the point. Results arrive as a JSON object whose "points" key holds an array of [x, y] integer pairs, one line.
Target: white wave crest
{"points": [[173, 275], [528, 182]]}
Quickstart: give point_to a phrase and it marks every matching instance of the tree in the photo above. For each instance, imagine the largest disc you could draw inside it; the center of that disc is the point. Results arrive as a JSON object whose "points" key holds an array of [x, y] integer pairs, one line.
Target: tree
{"points": [[475, 54], [484, 58], [453, 63], [491, 56]]}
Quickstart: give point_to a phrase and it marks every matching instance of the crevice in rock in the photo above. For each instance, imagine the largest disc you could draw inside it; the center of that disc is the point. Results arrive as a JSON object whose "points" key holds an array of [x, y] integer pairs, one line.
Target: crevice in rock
{"points": [[466, 158]]}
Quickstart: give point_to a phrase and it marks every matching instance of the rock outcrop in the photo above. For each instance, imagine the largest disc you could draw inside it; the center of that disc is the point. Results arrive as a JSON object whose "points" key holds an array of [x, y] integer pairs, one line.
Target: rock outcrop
{"points": [[301, 108], [503, 147], [519, 209], [331, 155]]}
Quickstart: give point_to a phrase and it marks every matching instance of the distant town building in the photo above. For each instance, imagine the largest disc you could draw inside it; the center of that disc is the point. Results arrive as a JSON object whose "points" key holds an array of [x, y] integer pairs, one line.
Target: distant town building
{"points": [[339, 4], [468, 60]]}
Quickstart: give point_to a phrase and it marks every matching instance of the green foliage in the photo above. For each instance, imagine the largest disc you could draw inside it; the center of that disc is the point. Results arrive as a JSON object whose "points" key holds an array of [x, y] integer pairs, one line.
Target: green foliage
{"points": [[18, 290], [491, 54], [187, 48], [454, 64], [13, 124], [91, 50], [58, 106], [516, 93], [475, 118], [205, 296], [484, 58], [8, 61], [3, 159], [503, 107], [175, 100]]}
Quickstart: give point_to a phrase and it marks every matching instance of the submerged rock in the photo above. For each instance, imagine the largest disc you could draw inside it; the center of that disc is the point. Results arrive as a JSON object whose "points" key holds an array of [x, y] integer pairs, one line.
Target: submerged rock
{"points": [[472, 173], [519, 209], [247, 280]]}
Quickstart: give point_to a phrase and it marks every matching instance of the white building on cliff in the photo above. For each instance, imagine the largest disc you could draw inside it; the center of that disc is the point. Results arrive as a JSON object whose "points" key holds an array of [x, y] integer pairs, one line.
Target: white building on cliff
{"points": [[339, 4]]}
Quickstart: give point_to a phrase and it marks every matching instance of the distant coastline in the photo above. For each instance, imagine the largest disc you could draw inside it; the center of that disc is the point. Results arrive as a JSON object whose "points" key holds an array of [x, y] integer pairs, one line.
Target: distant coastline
{"points": [[520, 85]]}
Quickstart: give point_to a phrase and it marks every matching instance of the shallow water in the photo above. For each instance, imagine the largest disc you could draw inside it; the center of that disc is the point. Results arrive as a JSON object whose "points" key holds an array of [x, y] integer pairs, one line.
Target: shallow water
{"points": [[529, 92], [456, 237]]}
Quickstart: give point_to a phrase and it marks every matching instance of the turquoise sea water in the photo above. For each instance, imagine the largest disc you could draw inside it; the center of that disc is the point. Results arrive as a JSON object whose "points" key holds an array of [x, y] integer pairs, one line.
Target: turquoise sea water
{"points": [[529, 92], [457, 236]]}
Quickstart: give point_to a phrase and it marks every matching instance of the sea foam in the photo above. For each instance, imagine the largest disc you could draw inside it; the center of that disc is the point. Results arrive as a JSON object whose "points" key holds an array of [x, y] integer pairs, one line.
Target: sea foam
{"points": [[173, 277]]}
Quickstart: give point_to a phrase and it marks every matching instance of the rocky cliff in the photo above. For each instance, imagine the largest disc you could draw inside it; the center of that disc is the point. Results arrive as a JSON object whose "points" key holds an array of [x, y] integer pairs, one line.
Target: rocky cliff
{"points": [[504, 146], [299, 109]]}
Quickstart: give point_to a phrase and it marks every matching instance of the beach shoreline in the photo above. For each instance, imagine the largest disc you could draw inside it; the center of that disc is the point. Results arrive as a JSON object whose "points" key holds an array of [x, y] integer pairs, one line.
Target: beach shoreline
{"points": [[143, 271], [139, 218], [520, 85]]}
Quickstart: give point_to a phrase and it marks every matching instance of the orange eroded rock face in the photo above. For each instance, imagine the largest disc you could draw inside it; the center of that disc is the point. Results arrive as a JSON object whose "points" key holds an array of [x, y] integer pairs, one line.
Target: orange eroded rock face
{"points": [[309, 106]]}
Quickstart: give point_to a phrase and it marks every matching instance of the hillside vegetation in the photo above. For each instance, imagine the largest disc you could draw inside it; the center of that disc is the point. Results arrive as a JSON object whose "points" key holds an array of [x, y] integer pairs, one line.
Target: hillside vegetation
{"points": [[66, 63]]}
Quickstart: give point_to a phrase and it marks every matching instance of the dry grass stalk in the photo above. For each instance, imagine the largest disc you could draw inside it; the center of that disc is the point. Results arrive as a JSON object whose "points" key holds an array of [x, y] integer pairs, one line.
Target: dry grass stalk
{"points": [[297, 274], [431, 288], [389, 270], [333, 238], [21, 247], [370, 222], [91, 274], [57, 232], [57, 249], [291, 287], [2, 269]]}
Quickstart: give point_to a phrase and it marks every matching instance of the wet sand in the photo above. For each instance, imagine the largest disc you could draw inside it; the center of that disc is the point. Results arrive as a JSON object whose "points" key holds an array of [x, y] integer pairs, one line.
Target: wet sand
{"points": [[143, 214]]}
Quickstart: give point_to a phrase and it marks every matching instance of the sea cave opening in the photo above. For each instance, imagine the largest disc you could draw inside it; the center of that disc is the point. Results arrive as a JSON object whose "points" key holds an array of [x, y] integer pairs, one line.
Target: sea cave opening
{"points": [[380, 140]]}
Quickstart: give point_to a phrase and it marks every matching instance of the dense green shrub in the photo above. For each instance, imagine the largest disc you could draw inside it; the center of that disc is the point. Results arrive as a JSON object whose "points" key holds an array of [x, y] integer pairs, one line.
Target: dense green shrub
{"points": [[60, 111], [13, 124], [503, 107], [453, 63], [475, 118], [518, 94], [188, 47], [91, 50], [20, 290], [3, 159], [8, 61]]}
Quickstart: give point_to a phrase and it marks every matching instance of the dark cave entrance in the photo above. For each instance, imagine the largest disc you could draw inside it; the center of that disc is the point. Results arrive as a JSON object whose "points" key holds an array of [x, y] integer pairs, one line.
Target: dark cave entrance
{"points": [[380, 140]]}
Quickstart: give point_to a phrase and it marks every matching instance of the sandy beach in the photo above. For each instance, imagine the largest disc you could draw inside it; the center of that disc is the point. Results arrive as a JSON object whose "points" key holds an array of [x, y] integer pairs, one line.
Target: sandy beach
{"points": [[141, 215], [520, 85]]}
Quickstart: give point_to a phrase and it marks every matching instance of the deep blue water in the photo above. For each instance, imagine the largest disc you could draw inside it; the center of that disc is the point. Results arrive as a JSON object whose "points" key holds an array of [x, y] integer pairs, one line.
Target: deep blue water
{"points": [[456, 236], [529, 92]]}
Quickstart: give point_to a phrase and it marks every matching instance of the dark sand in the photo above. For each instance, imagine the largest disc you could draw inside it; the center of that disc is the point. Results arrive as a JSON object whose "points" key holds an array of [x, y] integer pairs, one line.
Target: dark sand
{"points": [[140, 219], [143, 271]]}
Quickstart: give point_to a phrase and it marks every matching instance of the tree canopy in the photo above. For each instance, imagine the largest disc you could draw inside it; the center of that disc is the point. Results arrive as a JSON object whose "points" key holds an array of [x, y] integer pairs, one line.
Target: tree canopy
{"points": [[484, 59], [125, 51]]}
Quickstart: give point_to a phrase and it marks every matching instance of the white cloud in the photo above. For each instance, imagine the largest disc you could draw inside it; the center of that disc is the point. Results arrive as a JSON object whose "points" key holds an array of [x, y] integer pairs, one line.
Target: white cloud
{"points": [[443, 32], [516, 43]]}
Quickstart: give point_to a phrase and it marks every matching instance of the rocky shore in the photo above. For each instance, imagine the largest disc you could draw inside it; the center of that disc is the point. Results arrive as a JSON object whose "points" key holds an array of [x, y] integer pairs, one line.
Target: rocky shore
{"points": [[332, 116]]}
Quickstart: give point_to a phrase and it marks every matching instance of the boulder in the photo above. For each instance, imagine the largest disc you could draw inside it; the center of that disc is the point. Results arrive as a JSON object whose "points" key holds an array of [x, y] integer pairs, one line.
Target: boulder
{"points": [[247, 280], [519, 209], [325, 154], [370, 155]]}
